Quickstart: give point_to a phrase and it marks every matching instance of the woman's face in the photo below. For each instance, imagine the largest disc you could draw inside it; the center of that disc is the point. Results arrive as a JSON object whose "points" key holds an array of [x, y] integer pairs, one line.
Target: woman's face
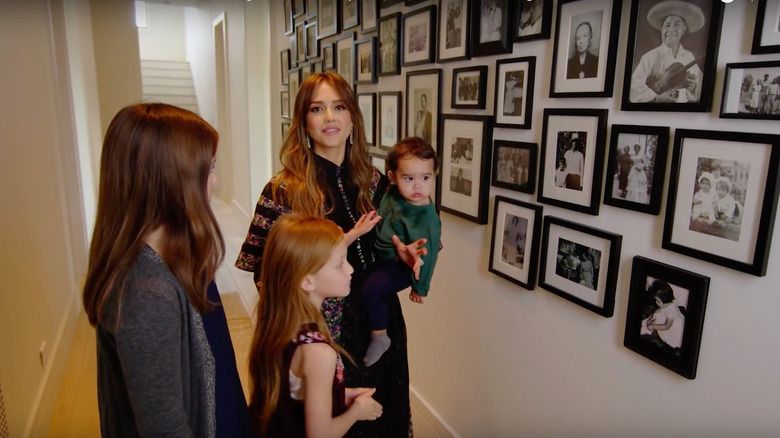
{"points": [[423, 102], [328, 121]]}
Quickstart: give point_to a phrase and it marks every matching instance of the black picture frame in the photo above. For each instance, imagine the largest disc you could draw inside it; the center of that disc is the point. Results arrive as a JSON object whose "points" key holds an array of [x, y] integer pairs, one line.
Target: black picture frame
{"points": [[494, 39], [367, 104], [594, 74], [284, 97], [463, 183], [514, 165], [369, 15], [689, 291], [746, 95], [350, 14], [532, 20], [566, 248], [284, 59], [311, 9], [327, 18], [513, 103], [561, 186], [300, 43], [389, 119], [454, 26], [635, 177], [389, 45], [294, 80], [469, 87], [288, 17], [344, 50], [312, 44], [423, 104], [328, 57], [365, 60], [384, 4], [514, 245], [306, 70], [701, 45], [766, 35], [419, 36], [738, 238]]}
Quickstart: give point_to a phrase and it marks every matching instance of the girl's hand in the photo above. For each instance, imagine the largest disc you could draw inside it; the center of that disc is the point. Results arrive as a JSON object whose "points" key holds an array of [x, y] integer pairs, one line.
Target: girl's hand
{"points": [[417, 298], [367, 408], [351, 393], [362, 226], [410, 254]]}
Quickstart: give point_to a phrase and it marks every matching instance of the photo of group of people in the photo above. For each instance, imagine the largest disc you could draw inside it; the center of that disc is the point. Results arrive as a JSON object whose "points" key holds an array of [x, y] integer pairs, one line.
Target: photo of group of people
{"points": [[578, 263], [513, 241], [760, 94], [570, 159], [719, 197], [633, 172], [663, 315], [461, 170], [513, 165], [468, 88]]}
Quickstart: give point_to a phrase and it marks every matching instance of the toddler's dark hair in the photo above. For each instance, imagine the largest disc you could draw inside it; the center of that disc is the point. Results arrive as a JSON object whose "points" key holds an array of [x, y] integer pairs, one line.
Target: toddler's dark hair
{"points": [[662, 290], [411, 146]]}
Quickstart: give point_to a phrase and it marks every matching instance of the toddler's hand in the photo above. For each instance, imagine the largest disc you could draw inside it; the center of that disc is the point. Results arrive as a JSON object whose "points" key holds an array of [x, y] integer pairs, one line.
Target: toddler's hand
{"points": [[410, 254], [417, 298]]}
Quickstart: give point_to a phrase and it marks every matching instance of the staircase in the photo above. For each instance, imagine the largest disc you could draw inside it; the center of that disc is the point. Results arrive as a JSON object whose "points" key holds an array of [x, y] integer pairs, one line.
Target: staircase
{"points": [[168, 82]]}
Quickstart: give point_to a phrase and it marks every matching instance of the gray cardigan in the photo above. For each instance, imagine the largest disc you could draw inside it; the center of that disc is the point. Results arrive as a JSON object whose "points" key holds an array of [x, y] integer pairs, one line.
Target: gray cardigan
{"points": [[155, 368]]}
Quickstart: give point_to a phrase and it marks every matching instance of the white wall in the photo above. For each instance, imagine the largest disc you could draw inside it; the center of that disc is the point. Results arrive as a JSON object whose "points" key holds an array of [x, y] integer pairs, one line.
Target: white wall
{"points": [[164, 37]]}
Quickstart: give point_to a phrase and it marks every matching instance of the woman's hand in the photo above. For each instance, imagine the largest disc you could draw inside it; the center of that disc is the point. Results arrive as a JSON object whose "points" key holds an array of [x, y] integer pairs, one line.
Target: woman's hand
{"points": [[362, 226], [410, 254]]}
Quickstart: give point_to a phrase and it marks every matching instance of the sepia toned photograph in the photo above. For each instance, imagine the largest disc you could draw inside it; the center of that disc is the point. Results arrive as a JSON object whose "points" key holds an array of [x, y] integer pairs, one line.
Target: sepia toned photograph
{"points": [[327, 18], [533, 19], [453, 26], [490, 29], [419, 36], [514, 165], [349, 14], [345, 60], [514, 246], [389, 118], [365, 60], [469, 87], [389, 44], [513, 101]]}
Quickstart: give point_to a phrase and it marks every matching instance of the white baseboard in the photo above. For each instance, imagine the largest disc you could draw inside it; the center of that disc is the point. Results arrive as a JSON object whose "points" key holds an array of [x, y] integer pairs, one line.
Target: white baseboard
{"points": [[440, 426]]}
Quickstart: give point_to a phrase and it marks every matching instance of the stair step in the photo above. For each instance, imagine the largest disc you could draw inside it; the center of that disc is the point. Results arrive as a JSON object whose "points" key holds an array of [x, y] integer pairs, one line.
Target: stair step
{"points": [[172, 90], [167, 81], [170, 65], [163, 73], [172, 99]]}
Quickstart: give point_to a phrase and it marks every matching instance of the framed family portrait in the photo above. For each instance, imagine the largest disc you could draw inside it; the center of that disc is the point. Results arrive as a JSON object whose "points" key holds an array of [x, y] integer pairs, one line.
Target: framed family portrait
{"points": [[533, 20], [636, 167], [465, 156], [766, 36], [665, 315], [751, 90], [367, 104], [369, 13], [345, 57], [490, 32], [389, 120], [390, 44], [722, 198], [453, 30], [349, 14], [651, 83], [327, 18], [419, 36], [328, 60], [585, 48], [514, 165], [312, 44], [285, 62], [572, 158], [423, 104], [469, 87], [580, 264], [514, 246], [365, 60], [514, 92]]}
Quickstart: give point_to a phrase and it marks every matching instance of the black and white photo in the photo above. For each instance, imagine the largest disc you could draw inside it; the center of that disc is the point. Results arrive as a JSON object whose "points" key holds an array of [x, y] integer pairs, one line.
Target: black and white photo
{"points": [[453, 30], [490, 32], [389, 118], [389, 44], [751, 90], [469, 86], [532, 20], [514, 247], [514, 92], [419, 36], [514, 165]]}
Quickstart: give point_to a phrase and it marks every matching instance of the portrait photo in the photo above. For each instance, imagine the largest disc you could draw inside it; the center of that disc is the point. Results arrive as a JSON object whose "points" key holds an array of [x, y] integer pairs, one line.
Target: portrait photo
{"points": [[349, 14], [532, 20], [514, 247], [423, 104], [389, 122], [453, 25], [345, 57], [490, 32], [514, 92], [571, 150], [583, 57]]}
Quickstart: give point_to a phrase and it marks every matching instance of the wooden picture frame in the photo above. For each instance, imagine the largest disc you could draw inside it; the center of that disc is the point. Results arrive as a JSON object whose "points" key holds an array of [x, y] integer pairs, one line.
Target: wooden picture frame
{"points": [[645, 86], [636, 167], [423, 104], [369, 15], [367, 104], [311, 9], [469, 87], [419, 36], [350, 14], [345, 57], [288, 17], [490, 28], [751, 91], [328, 58], [284, 97], [327, 18], [465, 172], [453, 44], [514, 246], [514, 165], [585, 48], [284, 59], [312, 44], [513, 103], [580, 263], [389, 119], [740, 237], [662, 295], [766, 35], [578, 136], [390, 45], [532, 20], [365, 60]]}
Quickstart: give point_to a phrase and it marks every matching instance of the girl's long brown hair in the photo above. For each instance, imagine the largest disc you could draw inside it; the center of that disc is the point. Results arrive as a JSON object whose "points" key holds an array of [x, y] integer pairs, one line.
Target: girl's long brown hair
{"points": [[297, 156], [297, 245], [154, 172]]}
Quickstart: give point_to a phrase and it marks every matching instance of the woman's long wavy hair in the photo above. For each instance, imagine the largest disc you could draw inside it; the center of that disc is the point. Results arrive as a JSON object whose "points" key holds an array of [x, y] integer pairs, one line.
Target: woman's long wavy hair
{"points": [[154, 172], [297, 245], [297, 155]]}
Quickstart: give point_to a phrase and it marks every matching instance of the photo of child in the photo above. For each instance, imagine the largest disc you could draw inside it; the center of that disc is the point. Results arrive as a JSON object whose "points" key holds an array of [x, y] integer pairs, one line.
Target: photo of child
{"points": [[719, 197], [663, 315]]}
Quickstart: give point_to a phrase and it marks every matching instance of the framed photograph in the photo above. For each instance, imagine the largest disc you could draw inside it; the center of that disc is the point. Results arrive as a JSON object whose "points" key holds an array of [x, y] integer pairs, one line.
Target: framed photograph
{"points": [[766, 36], [327, 18], [288, 17], [365, 60], [387, 3], [389, 121], [312, 45], [636, 167], [390, 45], [300, 46], [453, 30], [469, 87], [572, 158], [585, 48], [571, 263], [514, 165], [751, 90], [490, 32], [328, 60], [465, 169], [514, 247], [533, 20], [350, 16], [419, 36], [514, 92], [686, 85], [293, 50], [298, 7], [311, 9], [722, 198], [367, 104], [665, 315], [345, 57], [294, 80], [369, 13], [285, 100], [285, 62], [423, 104], [306, 71]]}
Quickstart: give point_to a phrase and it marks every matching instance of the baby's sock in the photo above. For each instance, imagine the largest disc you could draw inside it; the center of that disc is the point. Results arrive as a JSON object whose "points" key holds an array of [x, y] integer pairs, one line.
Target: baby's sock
{"points": [[376, 348]]}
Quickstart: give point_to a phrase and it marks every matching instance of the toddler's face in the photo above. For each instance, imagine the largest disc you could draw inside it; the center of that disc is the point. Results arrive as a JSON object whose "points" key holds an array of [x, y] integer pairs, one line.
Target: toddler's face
{"points": [[705, 185], [722, 190]]}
